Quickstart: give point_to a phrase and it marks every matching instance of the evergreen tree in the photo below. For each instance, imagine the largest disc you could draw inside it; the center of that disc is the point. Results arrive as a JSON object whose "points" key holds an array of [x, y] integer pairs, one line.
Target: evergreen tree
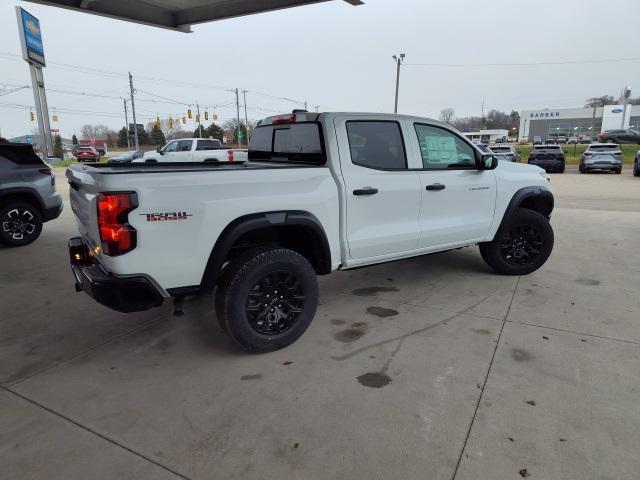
{"points": [[157, 137], [122, 137], [214, 131], [143, 137], [57, 147]]}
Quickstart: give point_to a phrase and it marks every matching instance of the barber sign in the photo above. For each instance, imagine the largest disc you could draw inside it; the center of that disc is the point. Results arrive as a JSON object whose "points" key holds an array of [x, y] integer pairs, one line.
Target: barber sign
{"points": [[30, 37]]}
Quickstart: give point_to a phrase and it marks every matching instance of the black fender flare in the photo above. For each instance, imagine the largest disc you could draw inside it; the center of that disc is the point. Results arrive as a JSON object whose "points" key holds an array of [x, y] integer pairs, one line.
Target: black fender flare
{"points": [[256, 221], [542, 197]]}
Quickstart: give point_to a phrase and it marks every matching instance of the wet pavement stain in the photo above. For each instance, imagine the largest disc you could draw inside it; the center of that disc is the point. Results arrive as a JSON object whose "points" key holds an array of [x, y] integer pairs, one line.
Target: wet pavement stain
{"points": [[374, 379], [288, 362], [520, 355], [382, 312], [255, 376], [372, 291], [336, 321], [588, 281], [356, 331], [482, 331]]}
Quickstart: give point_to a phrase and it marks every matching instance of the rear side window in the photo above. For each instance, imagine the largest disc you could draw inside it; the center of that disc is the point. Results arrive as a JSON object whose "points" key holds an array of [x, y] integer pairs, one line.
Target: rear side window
{"points": [[207, 145], [20, 154], [296, 143], [376, 144]]}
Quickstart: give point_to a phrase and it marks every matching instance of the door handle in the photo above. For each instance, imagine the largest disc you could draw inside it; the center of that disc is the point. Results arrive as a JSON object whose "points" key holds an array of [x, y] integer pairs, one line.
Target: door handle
{"points": [[435, 186], [365, 191]]}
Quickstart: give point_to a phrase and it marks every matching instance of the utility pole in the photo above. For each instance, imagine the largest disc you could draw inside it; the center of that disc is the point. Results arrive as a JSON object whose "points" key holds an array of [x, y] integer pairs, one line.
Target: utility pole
{"points": [[238, 116], [133, 111], [199, 124], [305, 105], [626, 93], [398, 61], [126, 122], [246, 119]]}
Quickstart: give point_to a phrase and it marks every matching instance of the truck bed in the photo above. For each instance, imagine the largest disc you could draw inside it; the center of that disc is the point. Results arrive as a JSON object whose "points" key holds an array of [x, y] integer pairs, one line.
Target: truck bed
{"points": [[180, 167]]}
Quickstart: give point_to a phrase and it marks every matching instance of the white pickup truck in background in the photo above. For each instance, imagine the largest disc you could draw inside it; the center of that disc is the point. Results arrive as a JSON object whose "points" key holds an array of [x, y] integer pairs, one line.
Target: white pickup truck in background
{"points": [[194, 150], [321, 192]]}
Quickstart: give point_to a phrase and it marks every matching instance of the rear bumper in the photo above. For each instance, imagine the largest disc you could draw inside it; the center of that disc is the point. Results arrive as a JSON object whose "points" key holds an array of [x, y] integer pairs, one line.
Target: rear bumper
{"points": [[133, 293], [52, 213], [554, 165], [603, 166]]}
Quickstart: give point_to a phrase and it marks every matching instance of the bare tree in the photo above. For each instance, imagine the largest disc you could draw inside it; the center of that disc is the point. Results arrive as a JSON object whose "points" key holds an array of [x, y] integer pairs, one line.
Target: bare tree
{"points": [[447, 115], [600, 101]]}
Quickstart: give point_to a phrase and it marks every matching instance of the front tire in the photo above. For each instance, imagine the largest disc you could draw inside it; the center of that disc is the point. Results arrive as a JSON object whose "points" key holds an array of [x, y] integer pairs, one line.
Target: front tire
{"points": [[267, 298], [20, 223], [636, 169], [521, 246]]}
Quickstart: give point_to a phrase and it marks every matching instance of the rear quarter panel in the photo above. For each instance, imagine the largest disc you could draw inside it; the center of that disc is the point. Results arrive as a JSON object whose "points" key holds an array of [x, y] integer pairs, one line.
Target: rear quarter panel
{"points": [[175, 252]]}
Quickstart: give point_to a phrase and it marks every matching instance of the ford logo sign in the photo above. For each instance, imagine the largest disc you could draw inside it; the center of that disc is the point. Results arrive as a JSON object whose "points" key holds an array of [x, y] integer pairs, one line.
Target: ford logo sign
{"points": [[616, 110]]}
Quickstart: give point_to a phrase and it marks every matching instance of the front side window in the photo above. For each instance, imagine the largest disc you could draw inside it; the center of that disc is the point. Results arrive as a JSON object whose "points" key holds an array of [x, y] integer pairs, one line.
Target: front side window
{"points": [[170, 147], [376, 144], [442, 149]]}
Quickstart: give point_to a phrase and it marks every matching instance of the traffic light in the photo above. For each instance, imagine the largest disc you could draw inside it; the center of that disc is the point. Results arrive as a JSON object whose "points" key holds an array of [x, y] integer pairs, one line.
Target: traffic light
{"points": [[158, 122], [198, 117], [54, 117], [170, 122], [206, 115], [32, 116], [189, 113], [184, 120], [214, 117]]}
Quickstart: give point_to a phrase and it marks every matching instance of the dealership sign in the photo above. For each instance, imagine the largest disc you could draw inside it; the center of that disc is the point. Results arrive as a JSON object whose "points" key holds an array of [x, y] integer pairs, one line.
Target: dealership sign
{"points": [[544, 115], [30, 37]]}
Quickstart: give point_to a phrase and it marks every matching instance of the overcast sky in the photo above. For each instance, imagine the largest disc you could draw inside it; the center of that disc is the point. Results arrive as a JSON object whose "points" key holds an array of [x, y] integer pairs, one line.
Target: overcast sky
{"points": [[330, 54]]}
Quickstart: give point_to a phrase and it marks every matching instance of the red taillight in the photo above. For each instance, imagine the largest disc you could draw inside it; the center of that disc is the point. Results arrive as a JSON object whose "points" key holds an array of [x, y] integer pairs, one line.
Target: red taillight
{"points": [[46, 171], [230, 155], [289, 118], [116, 235]]}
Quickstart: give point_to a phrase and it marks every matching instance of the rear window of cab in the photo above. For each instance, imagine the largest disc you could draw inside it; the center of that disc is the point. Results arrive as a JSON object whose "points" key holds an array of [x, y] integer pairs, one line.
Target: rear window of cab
{"points": [[295, 143]]}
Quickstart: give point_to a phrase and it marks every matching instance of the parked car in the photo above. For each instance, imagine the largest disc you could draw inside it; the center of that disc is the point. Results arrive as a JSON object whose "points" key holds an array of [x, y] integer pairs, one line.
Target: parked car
{"points": [[87, 154], [572, 140], [585, 139], [549, 157], [561, 139], [321, 192], [620, 136], [537, 140], [636, 165], [550, 141], [194, 150], [126, 157], [28, 195], [507, 152], [601, 156]]}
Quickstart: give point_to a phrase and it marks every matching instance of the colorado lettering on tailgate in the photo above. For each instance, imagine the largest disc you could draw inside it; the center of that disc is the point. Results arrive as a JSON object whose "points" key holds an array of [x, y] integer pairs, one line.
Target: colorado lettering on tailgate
{"points": [[161, 217]]}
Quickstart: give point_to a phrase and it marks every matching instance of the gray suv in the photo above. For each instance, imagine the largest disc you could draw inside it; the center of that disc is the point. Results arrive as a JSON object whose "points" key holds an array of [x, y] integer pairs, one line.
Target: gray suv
{"points": [[28, 195]]}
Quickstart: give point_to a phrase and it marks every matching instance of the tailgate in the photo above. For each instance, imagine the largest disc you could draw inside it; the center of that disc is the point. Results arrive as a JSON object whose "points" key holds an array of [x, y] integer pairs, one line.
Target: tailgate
{"points": [[83, 191]]}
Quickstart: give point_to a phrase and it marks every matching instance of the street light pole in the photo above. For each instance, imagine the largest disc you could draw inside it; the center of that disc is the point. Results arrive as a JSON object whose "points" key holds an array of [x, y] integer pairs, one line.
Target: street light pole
{"points": [[398, 60], [238, 116]]}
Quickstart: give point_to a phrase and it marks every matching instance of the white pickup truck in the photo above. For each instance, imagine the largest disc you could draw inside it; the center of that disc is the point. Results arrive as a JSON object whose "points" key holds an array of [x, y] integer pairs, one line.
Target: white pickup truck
{"points": [[321, 192], [187, 150]]}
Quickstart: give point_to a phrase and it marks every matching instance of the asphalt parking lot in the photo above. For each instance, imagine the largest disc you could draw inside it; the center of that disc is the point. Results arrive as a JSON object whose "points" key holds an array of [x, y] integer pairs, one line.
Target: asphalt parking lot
{"points": [[430, 368]]}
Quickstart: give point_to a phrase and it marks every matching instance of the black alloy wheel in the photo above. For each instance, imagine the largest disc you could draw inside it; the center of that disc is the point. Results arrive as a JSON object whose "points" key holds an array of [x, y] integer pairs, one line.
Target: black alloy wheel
{"points": [[20, 224], [275, 303], [521, 244]]}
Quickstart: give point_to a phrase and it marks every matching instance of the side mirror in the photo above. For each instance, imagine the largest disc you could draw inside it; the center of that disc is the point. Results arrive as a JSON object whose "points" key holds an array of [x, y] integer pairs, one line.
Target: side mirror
{"points": [[159, 150], [487, 162]]}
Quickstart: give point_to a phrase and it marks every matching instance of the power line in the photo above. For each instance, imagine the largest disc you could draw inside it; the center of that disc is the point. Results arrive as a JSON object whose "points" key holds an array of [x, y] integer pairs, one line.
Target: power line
{"points": [[523, 64]]}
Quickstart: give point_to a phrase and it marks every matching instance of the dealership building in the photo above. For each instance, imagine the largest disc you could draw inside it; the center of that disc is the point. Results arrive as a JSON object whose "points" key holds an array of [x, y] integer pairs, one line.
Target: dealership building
{"points": [[575, 122]]}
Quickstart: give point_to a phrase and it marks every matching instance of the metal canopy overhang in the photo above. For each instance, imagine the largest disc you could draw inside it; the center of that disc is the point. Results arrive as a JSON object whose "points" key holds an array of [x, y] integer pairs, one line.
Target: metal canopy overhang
{"points": [[176, 14]]}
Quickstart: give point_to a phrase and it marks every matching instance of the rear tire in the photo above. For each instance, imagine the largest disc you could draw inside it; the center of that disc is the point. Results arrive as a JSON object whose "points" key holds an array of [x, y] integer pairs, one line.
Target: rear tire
{"points": [[266, 298], [636, 169], [521, 245], [582, 169], [20, 223]]}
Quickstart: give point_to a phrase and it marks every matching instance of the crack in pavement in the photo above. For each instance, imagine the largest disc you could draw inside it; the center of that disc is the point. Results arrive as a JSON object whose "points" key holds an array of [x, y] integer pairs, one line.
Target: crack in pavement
{"points": [[466, 311], [94, 432]]}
